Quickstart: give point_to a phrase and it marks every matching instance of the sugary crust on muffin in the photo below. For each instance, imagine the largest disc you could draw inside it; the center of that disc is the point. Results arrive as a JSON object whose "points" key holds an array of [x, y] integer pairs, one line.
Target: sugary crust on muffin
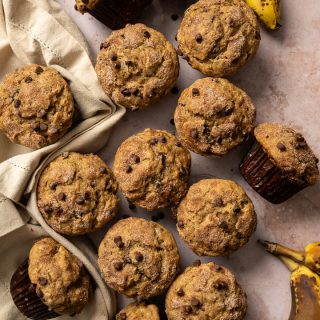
{"points": [[137, 66], [213, 116], [216, 217], [76, 193], [60, 278], [208, 291], [36, 106], [138, 258], [218, 37], [289, 151], [152, 169]]}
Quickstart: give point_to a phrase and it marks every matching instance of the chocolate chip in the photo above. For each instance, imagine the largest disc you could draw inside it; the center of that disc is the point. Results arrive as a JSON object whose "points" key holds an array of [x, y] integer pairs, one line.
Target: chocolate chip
{"points": [[153, 141], [43, 127], [114, 57], [53, 185], [17, 103], [118, 241], [117, 65], [194, 133], [216, 267], [196, 263], [219, 140], [104, 45], [126, 92], [28, 79], [79, 200], [195, 302], [223, 225], [128, 169], [103, 170], [281, 147], [127, 260], [300, 138], [237, 210], [47, 209], [180, 292], [187, 309], [62, 196], [35, 126], [129, 63], [198, 38], [39, 70], [219, 285], [179, 52], [300, 145], [178, 144], [43, 281], [195, 92], [123, 316], [174, 90], [137, 93], [135, 158], [218, 202], [158, 184], [174, 17], [118, 266], [147, 34], [180, 224], [138, 256], [132, 206], [163, 139], [228, 110], [163, 158]]}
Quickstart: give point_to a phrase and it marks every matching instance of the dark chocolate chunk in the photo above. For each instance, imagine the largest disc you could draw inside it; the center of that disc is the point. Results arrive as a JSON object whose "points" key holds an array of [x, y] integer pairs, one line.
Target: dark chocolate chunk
{"points": [[180, 292], [114, 57], [128, 169], [43, 127], [220, 285], [147, 34], [39, 70], [198, 38], [62, 196], [195, 302], [135, 158], [281, 147], [218, 202], [17, 103], [47, 209], [28, 79], [43, 281], [153, 141], [103, 170], [195, 92], [117, 65], [79, 200], [126, 92], [138, 256], [163, 139], [35, 126], [53, 185], [123, 316], [180, 224], [118, 266], [187, 309]]}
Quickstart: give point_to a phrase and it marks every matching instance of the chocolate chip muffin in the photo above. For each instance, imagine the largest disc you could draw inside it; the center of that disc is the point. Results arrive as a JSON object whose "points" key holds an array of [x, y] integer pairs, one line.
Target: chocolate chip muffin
{"points": [[216, 217], [213, 116], [139, 311], [138, 258], [137, 66], [77, 193], [51, 282], [206, 291], [280, 163], [36, 106], [218, 37], [152, 169], [114, 14]]}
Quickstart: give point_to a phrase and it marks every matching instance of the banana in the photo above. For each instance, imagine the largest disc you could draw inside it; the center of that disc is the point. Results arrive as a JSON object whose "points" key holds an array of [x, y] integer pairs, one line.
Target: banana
{"points": [[310, 257], [304, 282], [268, 12]]}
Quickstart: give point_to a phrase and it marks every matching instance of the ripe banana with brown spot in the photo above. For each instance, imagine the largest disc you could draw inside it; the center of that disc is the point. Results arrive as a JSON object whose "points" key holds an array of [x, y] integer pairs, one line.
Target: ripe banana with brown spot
{"points": [[304, 282], [268, 12]]}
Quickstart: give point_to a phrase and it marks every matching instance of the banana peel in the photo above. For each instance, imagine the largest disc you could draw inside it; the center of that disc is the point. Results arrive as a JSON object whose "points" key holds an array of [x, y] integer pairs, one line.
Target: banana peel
{"points": [[304, 282], [268, 12]]}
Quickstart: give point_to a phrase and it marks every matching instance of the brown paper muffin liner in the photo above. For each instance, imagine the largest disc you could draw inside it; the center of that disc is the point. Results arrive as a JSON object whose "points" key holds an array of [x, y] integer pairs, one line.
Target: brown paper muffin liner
{"points": [[266, 178], [116, 14], [25, 297]]}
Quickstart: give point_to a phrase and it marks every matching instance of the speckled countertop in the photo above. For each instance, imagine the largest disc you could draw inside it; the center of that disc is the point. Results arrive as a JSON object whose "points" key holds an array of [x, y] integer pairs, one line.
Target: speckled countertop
{"points": [[284, 83]]}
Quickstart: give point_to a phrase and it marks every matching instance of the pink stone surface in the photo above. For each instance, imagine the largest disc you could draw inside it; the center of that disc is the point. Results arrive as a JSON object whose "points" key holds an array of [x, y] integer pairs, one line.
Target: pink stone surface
{"points": [[284, 83]]}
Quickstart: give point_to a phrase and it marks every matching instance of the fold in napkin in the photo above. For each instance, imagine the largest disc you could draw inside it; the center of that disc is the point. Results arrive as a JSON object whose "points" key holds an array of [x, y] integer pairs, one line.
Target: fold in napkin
{"points": [[39, 31]]}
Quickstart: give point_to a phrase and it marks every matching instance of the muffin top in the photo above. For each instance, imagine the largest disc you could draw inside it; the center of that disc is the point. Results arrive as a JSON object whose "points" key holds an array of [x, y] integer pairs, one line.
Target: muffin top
{"points": [[206, 291], [61, 280], [213, 116], [152, 169], [289, 151], [216, 217], [77, 193], [36, 106], [84, 5], [217, 37], [136, 66], [138, 258], [139, 311]]}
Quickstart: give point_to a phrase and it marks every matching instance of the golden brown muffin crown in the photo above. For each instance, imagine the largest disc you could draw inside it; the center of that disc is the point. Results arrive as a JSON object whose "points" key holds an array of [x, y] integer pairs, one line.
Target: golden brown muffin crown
{"points": [[138, 311], [60, 278]]}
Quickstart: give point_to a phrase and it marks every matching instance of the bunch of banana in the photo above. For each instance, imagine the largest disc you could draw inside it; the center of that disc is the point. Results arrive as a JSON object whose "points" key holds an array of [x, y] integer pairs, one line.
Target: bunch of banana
{"points": [[268, 12], [304, 280]]}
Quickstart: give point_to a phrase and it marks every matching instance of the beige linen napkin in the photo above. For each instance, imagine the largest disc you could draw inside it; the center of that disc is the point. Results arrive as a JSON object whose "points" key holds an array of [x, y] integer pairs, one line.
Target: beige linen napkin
{"points": [[39, 31]]}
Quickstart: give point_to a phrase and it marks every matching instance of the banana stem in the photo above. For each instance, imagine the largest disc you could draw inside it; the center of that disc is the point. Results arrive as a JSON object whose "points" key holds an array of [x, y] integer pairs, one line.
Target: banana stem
{"points": [[280, 250], [290, 264]]}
